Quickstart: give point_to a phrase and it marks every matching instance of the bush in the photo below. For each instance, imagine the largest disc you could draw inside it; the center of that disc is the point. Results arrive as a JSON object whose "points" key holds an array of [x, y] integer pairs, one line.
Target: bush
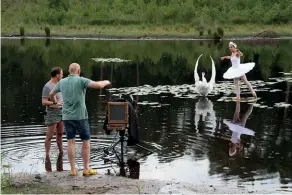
{"points": [[216, 35], [47, 31], [21, 31], [209, 31], [238, 20], [201, 32], [220, 31]]}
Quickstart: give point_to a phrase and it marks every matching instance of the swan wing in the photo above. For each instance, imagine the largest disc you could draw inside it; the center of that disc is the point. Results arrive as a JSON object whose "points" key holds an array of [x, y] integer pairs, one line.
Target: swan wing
{"points": [[196, 75], [213, 76]]}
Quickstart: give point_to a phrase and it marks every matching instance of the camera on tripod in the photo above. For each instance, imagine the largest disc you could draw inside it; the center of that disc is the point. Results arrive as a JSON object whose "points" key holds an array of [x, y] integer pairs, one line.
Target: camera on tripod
{"points": [[118, 115], [122, 118]]}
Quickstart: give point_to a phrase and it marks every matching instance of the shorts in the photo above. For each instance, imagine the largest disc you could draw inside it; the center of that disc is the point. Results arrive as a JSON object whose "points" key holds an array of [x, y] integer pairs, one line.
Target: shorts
{"points": [[74, 126], [52, 119]]}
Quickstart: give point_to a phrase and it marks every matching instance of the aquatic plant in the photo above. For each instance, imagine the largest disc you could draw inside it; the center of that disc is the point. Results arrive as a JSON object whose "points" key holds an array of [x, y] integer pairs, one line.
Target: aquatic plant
{"points": [[109, 60]]}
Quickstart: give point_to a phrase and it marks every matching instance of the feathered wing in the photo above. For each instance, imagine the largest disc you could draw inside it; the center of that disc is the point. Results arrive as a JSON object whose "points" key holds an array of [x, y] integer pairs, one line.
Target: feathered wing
{"points": [[196, 75], [212, 80]]}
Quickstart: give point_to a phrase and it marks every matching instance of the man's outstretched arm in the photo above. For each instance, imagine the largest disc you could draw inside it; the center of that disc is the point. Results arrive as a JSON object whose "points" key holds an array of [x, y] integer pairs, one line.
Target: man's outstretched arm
{"points": [[98, 84]]}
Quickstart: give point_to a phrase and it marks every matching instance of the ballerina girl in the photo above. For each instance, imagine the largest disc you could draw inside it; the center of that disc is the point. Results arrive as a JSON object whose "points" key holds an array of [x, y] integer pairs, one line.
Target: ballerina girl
{"points": [[237, 71]]}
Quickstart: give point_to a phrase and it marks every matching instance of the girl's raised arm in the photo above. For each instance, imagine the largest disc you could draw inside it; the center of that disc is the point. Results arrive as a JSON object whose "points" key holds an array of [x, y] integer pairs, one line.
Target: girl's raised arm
{"points": [[225, 57]]}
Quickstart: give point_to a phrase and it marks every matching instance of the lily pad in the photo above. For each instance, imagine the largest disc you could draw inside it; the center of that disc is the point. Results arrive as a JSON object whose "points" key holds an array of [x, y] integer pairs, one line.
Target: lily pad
{"points": [[110, 60], [282, 104]]}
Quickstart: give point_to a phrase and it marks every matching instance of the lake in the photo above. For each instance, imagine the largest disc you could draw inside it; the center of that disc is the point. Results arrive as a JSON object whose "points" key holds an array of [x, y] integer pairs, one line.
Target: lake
{"points": [[187, 134]]}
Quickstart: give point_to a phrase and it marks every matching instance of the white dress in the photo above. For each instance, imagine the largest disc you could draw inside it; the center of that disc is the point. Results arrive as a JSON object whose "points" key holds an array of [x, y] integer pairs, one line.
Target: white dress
{"points": [[237, 69]]}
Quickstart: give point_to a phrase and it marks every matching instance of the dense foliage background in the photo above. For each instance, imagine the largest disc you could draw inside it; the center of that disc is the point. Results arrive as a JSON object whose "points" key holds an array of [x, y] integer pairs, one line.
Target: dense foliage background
{"points": [[199, 14]]}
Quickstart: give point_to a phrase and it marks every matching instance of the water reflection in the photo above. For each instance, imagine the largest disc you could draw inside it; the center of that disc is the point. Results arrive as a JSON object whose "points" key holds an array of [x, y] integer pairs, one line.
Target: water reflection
{"points": [[237, 128], [59, 164], [130, 169], [204, 107]]}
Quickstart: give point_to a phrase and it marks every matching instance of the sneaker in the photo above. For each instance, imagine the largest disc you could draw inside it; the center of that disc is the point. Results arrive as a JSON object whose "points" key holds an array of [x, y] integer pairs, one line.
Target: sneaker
{"points": [[73, 172], [89, 172]]}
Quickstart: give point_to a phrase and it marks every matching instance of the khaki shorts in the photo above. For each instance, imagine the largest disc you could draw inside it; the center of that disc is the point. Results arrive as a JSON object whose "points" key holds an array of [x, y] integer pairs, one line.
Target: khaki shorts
{"points": [[52, 119]]}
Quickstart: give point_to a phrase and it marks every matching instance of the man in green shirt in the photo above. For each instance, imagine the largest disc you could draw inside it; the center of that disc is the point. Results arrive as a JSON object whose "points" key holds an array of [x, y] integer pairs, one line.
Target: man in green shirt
{"points": [[74, 114]]}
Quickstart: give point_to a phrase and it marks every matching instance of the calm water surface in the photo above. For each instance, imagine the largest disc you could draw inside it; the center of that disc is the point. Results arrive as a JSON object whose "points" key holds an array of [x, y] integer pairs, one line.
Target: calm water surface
{"points": [[187, 133]]}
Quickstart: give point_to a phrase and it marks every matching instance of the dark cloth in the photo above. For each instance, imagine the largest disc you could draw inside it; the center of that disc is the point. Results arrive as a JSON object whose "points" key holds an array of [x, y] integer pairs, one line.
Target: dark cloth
{"points": [[134, 168], [133, 130]]}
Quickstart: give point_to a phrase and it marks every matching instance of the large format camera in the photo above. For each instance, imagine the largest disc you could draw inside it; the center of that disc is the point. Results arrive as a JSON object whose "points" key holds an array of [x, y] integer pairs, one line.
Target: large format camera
{"points": [[122, 118]]}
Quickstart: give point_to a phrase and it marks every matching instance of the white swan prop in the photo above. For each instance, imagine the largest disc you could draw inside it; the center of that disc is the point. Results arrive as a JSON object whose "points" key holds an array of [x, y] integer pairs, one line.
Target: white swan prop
{"points": [[203, 87]]}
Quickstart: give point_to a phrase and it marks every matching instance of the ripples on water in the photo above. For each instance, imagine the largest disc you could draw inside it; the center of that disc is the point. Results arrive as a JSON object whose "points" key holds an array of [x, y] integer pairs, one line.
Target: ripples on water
{"points": [[186, 134]]}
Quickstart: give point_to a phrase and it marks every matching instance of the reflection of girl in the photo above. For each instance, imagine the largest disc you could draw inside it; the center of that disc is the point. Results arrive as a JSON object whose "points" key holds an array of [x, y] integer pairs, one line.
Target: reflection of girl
{"points": [[237, 70], [237, 128]]}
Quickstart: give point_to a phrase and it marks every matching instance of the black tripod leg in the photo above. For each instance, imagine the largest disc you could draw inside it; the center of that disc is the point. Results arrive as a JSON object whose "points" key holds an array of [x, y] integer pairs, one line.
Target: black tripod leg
{"points": [[146, 149], [121, 140], [116, 153], [112, 147], [122, 151]]}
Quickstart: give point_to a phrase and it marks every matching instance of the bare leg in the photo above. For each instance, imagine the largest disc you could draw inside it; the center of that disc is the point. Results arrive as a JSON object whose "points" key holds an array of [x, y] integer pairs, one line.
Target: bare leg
{"points": [[50, 133], [86, 154], [60, 162], [48, 164], [237, 88], [249, 86], [71, 153], [60, 131]]}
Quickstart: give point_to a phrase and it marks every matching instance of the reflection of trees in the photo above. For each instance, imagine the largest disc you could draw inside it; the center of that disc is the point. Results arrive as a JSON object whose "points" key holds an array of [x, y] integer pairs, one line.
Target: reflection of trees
{"points": [[22, 82], [160, 58]]}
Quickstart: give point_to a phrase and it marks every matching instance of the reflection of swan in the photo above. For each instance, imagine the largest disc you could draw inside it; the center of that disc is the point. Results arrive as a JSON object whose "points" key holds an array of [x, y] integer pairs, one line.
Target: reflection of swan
{"points": [[203, 87], [203, 107], [237, 128]]}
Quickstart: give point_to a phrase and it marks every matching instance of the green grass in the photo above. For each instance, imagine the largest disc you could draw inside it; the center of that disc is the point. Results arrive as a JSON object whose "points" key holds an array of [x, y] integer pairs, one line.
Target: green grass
{"points": [[132, 18]]}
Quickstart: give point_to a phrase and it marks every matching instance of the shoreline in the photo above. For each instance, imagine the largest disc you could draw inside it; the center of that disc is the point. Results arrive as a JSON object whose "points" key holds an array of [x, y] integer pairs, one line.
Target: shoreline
{"points": [[148, 31], [157, 37], [61, 182], [153, 32]]}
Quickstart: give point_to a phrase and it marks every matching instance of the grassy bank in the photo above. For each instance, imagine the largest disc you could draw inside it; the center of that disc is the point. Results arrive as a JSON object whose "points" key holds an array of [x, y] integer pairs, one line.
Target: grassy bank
{"points": [[133, 18], [183, 30]]}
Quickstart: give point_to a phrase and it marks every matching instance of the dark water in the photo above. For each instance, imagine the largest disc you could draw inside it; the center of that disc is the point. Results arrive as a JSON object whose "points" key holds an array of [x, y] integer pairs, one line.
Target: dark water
{"points": [[187, 134]]}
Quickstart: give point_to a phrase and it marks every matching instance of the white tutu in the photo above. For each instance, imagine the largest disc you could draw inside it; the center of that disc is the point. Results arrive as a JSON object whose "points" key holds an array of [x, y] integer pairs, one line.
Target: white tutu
{"points": [[236, 71], [238, 128]]}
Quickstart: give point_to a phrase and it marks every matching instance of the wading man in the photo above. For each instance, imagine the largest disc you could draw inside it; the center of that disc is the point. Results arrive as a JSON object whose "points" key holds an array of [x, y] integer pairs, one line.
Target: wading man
{"points": [[75, 116], [53, 117]]}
